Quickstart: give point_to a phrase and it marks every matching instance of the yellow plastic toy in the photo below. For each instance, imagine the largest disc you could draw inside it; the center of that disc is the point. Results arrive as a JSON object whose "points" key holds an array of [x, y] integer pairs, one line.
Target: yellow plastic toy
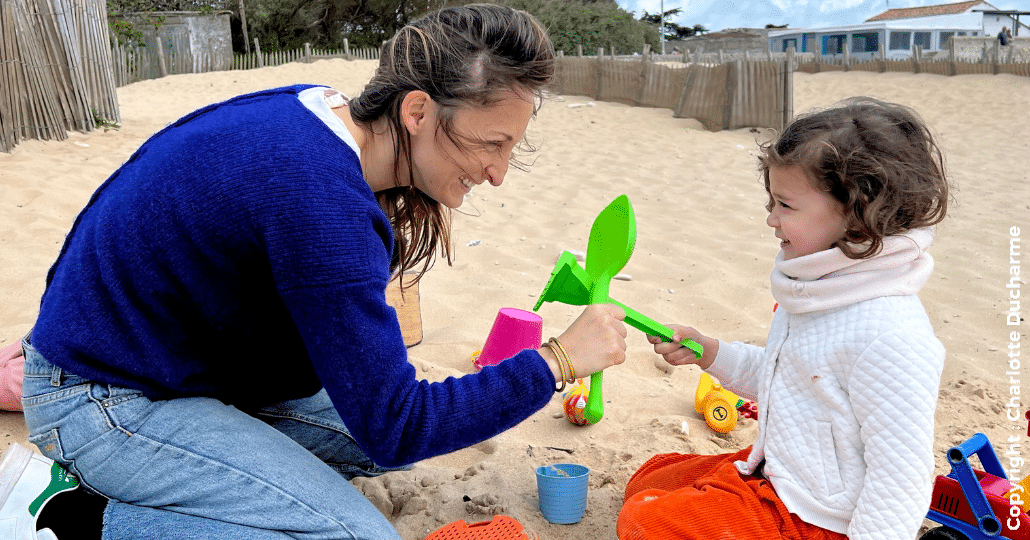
{"points": [[717, 404]]}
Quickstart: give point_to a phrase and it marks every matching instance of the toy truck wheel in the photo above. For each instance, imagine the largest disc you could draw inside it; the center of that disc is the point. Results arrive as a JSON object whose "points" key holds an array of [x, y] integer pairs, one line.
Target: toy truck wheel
{"points": [[943, 533], [720, 414]]}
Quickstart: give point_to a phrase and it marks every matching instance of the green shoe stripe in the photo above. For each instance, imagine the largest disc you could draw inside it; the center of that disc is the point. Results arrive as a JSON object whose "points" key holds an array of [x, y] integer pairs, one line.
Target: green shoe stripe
{"points": [[60, 480]]}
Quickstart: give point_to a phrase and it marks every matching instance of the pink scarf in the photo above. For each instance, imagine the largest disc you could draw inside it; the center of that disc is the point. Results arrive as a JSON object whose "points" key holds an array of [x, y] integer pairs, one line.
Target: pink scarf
{"points": [[828, 279]]}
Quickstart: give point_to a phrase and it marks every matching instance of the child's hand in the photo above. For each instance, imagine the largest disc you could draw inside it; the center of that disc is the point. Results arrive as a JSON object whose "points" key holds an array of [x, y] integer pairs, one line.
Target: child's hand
{"points": [[676, 354]]}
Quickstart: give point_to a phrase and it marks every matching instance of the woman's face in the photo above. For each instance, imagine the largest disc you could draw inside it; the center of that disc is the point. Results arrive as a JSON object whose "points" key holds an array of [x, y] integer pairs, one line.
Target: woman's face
{"points": [[485, 138]]}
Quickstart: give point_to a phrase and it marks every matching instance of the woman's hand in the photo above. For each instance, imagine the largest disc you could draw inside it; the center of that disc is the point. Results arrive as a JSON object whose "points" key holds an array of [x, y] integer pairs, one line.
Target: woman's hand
{"points": [[678, 355], [594, 341]]}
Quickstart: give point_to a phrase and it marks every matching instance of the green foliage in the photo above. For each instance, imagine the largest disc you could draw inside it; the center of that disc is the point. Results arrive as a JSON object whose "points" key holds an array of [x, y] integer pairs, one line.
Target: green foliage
{"points": [[289, 24], [590, 24], [673, 31], [125, 31], [102, 122]]}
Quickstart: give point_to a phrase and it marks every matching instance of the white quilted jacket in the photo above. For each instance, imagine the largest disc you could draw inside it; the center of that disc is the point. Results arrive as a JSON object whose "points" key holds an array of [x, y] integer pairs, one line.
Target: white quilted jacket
{"points": [[847, 387]]}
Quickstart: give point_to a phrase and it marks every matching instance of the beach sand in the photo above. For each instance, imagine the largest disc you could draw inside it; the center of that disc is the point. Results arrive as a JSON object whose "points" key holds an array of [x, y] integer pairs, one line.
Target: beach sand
{"points": [[703, 256]]}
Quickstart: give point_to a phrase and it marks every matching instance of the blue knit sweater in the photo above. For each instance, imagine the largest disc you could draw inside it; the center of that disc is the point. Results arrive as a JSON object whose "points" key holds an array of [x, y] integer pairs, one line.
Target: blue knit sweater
{"points": [[239, 254]]}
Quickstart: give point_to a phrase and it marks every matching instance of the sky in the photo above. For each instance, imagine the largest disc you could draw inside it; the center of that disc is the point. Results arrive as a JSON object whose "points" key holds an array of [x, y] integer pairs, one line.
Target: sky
{"points": [[717, 15]]}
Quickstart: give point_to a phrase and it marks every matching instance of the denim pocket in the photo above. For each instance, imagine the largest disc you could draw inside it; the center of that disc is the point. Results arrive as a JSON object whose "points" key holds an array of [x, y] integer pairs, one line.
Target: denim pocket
{"points": [[49, 444]]}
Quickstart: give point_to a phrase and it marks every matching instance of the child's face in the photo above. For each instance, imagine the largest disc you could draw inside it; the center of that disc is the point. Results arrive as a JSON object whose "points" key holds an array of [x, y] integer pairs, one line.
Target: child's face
{"points": [[805, 219]]}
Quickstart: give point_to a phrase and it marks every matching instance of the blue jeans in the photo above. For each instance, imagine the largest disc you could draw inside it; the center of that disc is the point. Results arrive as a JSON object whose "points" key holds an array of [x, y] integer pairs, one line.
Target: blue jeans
{"points": [[197, 468]]}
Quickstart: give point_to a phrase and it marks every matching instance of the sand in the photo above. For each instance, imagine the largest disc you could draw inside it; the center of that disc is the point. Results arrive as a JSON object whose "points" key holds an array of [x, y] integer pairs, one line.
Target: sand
{"points": [[703, 256]]}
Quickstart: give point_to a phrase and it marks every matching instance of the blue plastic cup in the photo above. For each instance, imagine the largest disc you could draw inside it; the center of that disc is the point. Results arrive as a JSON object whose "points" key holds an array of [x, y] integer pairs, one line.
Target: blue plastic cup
{"points": [[562, 489]]}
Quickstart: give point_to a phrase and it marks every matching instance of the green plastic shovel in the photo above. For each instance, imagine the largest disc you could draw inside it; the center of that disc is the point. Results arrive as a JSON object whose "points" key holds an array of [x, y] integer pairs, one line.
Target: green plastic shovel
{"points": [[612, 238]]}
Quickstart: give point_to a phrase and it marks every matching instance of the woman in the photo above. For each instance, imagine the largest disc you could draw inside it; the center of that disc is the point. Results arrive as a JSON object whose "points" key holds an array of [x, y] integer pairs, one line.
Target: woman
{"points": [[214, 352]]}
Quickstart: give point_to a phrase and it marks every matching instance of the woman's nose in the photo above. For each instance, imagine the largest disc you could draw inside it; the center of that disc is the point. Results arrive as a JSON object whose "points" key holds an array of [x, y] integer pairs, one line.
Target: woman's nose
{"points": [[495, 174]]}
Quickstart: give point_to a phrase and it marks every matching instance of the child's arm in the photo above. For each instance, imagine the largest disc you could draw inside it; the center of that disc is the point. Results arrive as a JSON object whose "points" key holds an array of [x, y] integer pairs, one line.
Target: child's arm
{"points": [[893, 390], [736, 365]]}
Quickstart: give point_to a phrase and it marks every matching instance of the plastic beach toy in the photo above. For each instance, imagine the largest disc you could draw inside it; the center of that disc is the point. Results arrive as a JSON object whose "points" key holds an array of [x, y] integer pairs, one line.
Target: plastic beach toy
{"points": [[574, 402], [717, 404], [513, 330], [562, 489], [612, 238], [498, 528]]}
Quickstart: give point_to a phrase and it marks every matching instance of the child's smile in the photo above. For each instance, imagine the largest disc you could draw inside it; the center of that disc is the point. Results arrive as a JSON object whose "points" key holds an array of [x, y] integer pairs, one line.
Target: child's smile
{"points": [[805, 219]]}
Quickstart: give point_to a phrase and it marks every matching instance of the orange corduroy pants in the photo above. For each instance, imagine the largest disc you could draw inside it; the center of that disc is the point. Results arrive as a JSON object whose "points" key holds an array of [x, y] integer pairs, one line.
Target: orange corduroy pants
{"points": [[695, 497]]}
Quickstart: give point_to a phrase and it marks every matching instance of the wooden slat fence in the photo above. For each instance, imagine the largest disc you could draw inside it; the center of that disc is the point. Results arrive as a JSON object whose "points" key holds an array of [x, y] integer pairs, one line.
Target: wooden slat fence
{"points": [[741, 93], [962, 56], [935, 66], [55, 69], [258, 59]]}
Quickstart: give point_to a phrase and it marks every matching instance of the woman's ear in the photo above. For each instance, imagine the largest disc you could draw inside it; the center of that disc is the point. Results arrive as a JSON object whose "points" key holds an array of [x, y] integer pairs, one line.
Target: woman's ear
{"points": [[417, 111]]}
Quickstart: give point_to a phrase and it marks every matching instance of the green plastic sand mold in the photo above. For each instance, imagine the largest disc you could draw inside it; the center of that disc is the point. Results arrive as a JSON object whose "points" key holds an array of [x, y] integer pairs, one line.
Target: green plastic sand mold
{"points": [[612, 238]]}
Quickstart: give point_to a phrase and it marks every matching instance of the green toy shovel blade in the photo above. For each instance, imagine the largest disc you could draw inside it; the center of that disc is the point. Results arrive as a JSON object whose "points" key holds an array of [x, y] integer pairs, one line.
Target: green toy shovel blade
{"points": [[612, 238]]}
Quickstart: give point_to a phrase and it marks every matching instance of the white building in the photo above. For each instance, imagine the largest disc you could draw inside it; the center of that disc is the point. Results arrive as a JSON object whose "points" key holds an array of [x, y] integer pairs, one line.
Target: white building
{"points": [[899, 30]]}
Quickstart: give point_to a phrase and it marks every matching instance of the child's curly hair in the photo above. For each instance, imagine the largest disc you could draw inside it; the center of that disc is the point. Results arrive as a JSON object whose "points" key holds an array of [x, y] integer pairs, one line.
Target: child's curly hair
{"points": [[878, 159]]}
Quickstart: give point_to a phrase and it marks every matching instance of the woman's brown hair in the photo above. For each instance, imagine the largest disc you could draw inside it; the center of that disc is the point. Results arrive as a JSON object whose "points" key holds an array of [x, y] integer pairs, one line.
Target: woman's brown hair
{"points": [[461, 56], [878, 159]]}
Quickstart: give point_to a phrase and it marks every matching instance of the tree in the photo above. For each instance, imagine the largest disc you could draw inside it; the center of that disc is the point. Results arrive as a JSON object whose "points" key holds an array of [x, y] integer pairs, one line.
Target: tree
{"points": [[590, 24], [672, 31], [669, 29], [289, 24]]}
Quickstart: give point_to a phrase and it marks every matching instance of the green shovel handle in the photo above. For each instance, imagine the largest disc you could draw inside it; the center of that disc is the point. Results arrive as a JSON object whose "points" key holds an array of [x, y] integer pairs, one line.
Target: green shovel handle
{"points": [[594, 409], [652, 328]]}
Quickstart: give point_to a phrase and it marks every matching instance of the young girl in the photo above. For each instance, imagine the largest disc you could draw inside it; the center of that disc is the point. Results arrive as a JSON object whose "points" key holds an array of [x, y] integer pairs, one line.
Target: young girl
{"points": [[847, 382]]}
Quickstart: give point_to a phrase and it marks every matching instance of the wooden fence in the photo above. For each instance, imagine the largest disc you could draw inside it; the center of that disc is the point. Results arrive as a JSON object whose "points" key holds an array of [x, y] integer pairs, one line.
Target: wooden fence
{"points": [[257, 59], [55, 69], [740, 93], [58, 72], [993, 61], [935, 66], [162, 57]]}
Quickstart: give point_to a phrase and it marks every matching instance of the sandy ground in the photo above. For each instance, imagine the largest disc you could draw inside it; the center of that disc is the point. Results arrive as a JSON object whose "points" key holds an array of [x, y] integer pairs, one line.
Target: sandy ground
{"points": [[703, 256]]}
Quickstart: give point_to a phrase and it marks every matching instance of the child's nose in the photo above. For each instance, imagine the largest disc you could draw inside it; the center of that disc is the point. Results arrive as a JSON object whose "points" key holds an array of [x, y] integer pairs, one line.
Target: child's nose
{"points": [[771, 220]]}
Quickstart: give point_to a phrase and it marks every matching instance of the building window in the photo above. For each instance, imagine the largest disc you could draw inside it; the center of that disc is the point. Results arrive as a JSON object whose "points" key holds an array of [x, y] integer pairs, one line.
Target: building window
{"points": [[900, 41], [944, 37], [788, 43], [834, 44], [863, 43], [922, 39]]}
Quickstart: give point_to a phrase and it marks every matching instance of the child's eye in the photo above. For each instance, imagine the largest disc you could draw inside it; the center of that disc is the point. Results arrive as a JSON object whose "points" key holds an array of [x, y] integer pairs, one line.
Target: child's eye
{"points": [[785, 205]]}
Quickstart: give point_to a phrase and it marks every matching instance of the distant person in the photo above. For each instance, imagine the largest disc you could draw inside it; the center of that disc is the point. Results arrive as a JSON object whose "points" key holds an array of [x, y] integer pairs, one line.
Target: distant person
{"points": [[1005, 36]]}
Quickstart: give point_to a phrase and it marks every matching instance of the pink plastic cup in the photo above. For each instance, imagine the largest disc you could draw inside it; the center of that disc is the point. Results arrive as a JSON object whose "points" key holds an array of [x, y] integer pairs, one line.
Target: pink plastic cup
{"points": [[514, 330]]}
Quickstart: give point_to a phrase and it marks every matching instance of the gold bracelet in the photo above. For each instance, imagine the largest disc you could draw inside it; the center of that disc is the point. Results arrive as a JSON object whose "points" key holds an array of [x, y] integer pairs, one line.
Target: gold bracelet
{"points": [[568, 360], [561, 368]]}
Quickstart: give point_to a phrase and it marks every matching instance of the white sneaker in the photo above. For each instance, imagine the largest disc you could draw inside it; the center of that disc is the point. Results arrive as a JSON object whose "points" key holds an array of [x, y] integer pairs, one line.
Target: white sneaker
{"points": [[27, 481]]}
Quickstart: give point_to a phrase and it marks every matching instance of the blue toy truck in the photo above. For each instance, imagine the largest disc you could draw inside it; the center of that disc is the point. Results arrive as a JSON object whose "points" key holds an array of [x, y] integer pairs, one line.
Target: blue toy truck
{"points": [[973, 505]]}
